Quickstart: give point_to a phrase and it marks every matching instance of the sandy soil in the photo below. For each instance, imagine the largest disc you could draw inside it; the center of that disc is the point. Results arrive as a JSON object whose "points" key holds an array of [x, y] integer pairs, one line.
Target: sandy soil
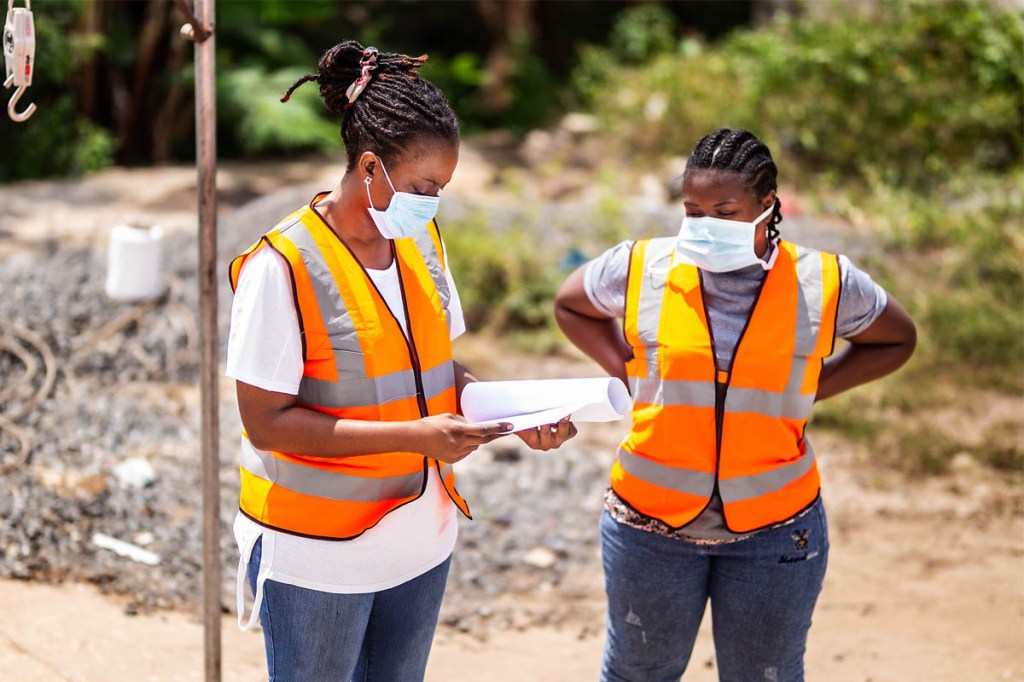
{"points": [[923, 584], [926, 578]]}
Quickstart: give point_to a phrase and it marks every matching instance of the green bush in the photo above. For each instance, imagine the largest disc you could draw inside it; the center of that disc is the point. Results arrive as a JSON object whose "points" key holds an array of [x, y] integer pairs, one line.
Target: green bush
{"points": [[1003, 446], [959, 256], [912, 92], [505, 282], [256, 121], [459, 78], [642, 32]]}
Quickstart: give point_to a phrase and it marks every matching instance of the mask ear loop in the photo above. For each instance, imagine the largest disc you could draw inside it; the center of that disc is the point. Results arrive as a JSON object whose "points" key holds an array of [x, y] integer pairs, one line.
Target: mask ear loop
{"points": [[369, 198], [386, 176], [367, 180]]}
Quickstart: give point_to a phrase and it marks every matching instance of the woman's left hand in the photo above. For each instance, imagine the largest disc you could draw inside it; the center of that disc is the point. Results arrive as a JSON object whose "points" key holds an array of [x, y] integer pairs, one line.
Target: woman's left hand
{"points": [[548, 436]]}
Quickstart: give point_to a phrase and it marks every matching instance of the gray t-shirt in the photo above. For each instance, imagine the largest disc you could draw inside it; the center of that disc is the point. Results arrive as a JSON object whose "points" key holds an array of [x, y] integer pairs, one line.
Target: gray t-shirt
{"points": [[728, 298]]}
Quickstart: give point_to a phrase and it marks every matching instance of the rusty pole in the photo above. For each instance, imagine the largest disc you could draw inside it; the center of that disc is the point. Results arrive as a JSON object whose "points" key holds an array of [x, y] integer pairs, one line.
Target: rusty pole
{"points": [[199, 29]]}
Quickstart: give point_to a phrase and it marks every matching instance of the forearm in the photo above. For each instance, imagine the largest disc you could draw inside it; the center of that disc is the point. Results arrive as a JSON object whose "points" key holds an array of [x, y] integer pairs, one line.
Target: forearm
{"points": [[301, 431], [463, 378], [600, 339], [859, 364], [880, 349]]}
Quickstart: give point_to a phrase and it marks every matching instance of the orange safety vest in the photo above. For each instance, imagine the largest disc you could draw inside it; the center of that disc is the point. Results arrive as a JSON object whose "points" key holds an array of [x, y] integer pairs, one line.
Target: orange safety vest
{"points": [[357, 365], [740, 429]]}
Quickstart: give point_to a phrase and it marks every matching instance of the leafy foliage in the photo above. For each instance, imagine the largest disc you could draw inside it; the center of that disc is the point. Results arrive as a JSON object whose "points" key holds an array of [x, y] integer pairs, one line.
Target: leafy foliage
{"points": [[969, 250], [505, 283], [642, 32], [911, 92], [918, 90], [257, 121]]}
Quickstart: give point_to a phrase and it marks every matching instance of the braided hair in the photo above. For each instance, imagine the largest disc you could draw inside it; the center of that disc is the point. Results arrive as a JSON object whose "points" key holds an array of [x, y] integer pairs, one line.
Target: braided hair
{"points": [[396, 110], [740, 152]]}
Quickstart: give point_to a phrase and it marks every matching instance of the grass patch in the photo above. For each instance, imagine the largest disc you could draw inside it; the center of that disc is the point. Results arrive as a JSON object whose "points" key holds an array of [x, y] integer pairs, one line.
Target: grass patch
{"points": [[1003, 446], [848, 415]]}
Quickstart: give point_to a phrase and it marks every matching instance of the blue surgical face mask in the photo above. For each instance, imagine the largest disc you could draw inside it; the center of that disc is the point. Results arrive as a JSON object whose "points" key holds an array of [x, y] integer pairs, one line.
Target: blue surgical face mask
{"points": [[719, 245], [407, 213]]}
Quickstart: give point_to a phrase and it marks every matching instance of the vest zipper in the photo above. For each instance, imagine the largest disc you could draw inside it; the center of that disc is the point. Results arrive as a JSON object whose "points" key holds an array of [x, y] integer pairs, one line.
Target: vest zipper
{"points": [[421, 398], [414, 358], [722, 387]]}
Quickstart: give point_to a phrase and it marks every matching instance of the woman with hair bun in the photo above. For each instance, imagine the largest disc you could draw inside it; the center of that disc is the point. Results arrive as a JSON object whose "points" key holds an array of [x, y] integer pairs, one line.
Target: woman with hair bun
{"points": [[340, 344]]}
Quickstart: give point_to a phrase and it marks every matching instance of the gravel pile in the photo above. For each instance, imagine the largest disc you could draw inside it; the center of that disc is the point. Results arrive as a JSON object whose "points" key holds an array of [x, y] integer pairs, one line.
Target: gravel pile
{"points": [[111, 440]]}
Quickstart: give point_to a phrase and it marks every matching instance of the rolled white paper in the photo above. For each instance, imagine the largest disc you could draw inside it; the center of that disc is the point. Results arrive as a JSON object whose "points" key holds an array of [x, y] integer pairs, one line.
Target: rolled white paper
{"points": [[530, 403]]}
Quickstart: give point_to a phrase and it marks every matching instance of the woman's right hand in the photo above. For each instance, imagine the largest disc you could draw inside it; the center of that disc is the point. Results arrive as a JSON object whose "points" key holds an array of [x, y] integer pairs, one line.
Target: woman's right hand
{"points": [[449, 437]]}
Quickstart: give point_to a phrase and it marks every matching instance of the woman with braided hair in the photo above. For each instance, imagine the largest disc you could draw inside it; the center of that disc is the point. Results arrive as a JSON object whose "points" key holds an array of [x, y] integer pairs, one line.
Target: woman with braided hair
{"points": [[340, 345], [714, 494]]}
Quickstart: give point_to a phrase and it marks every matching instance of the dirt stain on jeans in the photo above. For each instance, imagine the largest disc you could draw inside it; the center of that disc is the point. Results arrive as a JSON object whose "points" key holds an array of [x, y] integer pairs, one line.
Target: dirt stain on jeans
{"points": [[634, 619]]}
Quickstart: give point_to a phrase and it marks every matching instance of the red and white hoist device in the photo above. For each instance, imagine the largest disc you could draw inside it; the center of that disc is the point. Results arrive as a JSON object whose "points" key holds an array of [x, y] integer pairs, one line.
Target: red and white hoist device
{"points": [[19, 56]]}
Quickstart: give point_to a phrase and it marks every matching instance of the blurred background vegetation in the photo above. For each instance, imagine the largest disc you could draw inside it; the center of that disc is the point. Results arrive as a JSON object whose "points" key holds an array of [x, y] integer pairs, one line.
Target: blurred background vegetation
{"points": [[903, 119]]}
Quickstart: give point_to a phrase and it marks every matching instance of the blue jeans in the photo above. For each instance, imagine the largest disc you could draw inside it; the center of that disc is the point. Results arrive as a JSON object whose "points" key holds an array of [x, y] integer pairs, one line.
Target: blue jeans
{"points": [[762, 591], [374, 637]]}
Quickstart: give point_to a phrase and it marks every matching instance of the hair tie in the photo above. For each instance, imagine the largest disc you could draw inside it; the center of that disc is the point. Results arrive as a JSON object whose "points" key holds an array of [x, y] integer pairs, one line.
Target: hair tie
{"points": [[368, 64]]}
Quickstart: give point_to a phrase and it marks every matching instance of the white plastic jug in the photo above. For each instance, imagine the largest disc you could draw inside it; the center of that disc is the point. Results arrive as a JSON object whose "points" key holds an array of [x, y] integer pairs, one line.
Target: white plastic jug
{"points": [[134, 268]]}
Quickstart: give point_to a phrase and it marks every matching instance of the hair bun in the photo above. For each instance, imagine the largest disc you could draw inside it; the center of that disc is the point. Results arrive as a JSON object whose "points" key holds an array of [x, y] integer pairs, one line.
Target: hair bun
{"points": [[367, 65]]}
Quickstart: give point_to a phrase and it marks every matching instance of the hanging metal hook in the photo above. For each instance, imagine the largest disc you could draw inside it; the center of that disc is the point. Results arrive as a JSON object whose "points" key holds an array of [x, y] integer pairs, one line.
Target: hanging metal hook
{"points": [[19, 91], [19, 48]]}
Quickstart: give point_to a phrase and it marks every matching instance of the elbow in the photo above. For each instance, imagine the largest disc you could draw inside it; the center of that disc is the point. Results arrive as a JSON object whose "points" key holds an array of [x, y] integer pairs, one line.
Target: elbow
{"points": [[259, 431], [909, 343], [257, 437], [560, 302], [562, 315]]}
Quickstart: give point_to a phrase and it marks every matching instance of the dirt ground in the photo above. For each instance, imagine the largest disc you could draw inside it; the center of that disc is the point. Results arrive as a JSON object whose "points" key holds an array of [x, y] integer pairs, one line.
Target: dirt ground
{"points": [[926, 577]]}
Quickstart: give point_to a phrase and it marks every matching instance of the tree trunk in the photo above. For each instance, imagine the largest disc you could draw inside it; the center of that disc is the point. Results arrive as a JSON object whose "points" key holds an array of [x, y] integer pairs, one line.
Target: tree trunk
{"points": [[507, 22], [87, 83], [167, 122]]}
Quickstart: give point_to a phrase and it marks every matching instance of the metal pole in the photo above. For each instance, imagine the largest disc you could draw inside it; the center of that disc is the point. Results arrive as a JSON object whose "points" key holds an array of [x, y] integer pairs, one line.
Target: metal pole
{"points": [[206, 166]]}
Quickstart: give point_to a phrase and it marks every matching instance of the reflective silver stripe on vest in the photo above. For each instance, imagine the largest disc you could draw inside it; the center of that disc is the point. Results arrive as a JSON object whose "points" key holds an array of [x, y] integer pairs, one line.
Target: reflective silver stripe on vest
{"points": [[687, 481], [331, 305], [673, 392], [365, 392], [809, 300], [357, 392], [773, 480], [425, 245], [647, 389], [327, 485], [652, 291], [439, 379], [790, 404]]}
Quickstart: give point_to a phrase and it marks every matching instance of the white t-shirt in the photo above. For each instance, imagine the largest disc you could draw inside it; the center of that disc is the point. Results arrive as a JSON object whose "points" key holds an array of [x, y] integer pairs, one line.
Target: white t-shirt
{"points": [[265, 350]]}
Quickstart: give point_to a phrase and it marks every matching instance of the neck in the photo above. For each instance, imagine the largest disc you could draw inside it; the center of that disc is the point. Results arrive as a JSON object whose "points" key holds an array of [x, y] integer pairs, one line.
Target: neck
{"points": [[344, 209]]}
